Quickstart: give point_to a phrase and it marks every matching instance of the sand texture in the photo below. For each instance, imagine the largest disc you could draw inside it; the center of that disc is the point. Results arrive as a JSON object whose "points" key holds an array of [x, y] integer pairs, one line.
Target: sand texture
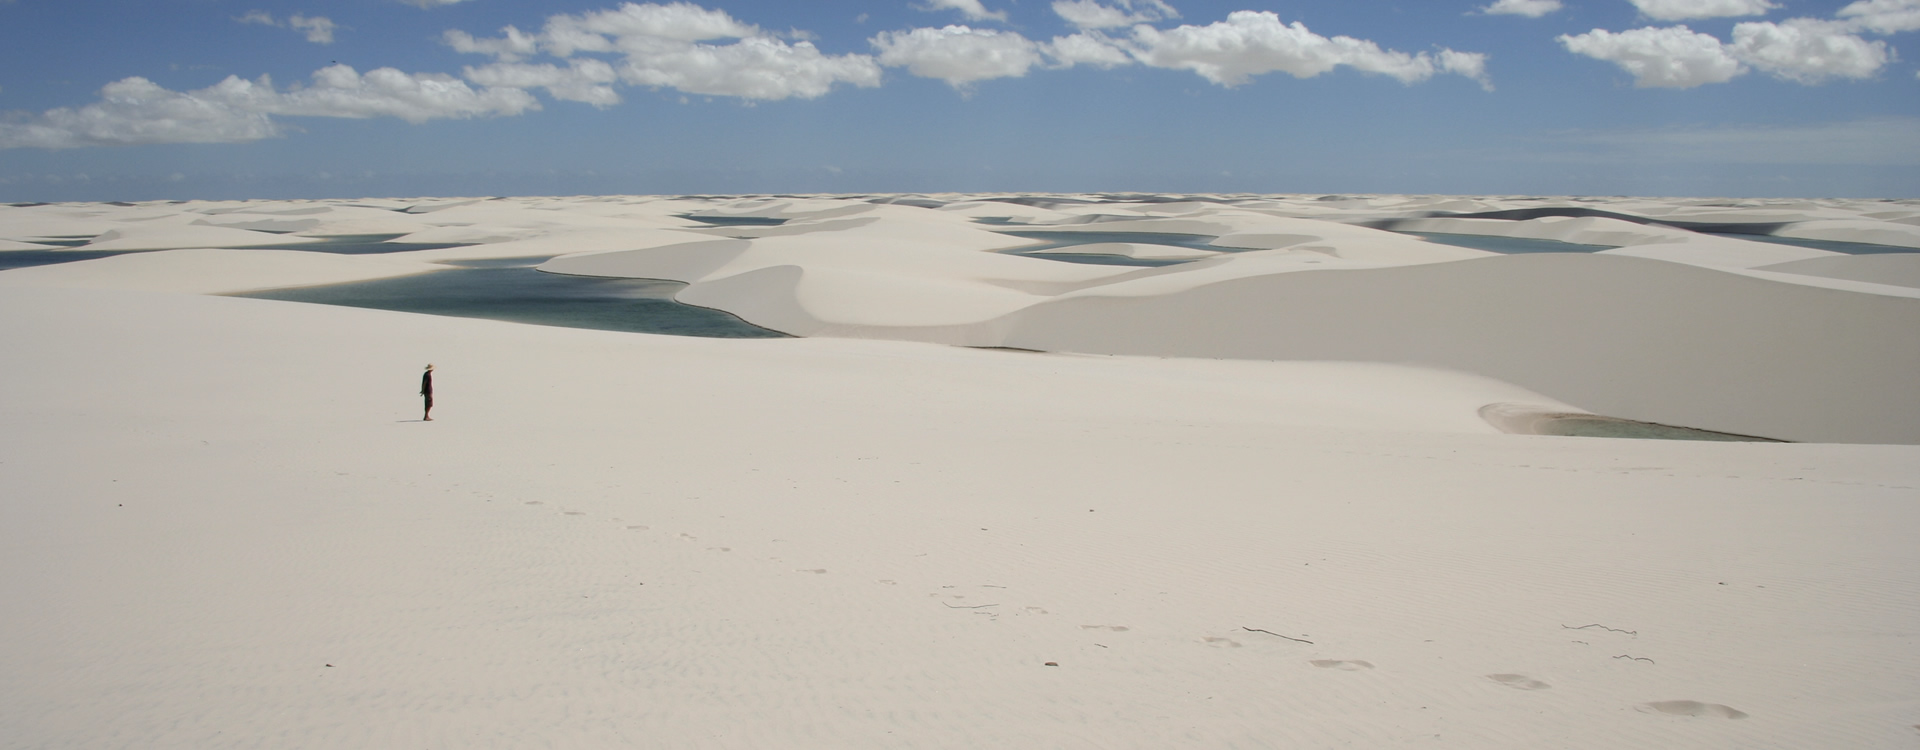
{"points": [[1244, 501]]}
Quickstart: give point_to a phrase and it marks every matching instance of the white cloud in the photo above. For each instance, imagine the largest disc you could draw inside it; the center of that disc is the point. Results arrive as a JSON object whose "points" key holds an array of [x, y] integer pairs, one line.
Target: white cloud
{"points": [[957, 54], [972, 9], [318, 29], [1528, 8], [683, 22], [1470, 64], [512, 45], [136, 111], [1670, 57], [1091, 14], [584, 80], [1884, 16], [1807, 51], [755, 68], [1682, 10], [671, 45], [1251, 43], [1087, 48], [340, 91], [1802, 50]]}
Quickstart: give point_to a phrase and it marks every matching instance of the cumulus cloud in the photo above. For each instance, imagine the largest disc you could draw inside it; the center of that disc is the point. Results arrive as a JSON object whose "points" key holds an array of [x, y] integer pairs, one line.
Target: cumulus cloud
{"points": [[1470, 64], [1091, 14], [1528, 8], [512, 45], [972, 9], [1670, 57], [1250, 43], [1807, 51], [675, 46], [584, 80], [1682, 10], [1801, 50], [136, 111], [754, 68], [1087, 48], [340, 91], [958, 55], [602, 31], [318, 29], [1883, 16]]}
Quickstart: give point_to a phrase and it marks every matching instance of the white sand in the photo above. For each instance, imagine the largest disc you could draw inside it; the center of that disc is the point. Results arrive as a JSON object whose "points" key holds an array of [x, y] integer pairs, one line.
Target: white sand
{"points": [[223, 528], [1581, 230], [1137, 250], [1898, 269], [1856, 230], [214, 271]]}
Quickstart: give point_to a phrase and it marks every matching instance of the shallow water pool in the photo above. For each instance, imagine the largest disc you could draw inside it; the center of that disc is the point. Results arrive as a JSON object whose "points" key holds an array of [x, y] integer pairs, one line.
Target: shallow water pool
{"points": [[512, 290]]}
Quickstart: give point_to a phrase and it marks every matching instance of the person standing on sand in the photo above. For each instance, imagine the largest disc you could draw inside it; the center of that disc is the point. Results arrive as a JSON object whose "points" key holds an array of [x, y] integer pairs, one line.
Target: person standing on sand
{"points": [[426, 392]]}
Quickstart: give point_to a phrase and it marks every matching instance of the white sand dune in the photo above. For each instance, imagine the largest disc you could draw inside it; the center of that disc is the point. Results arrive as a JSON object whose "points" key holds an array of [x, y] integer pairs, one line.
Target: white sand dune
{"points": [[57, 221], [556, 243], [1635, 338], [1896, 269], [1855, 230], [1284, 523], [471, 235], [214, 271], [168, 236], [865, 279], [1580, 230], [1721, 252], [1342, 241], [1137, 250], [316, 220], [613, 539]]}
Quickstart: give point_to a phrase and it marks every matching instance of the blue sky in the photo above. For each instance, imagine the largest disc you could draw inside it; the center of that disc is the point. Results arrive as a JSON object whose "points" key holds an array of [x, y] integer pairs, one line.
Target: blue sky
{"points": [[150, 99]]}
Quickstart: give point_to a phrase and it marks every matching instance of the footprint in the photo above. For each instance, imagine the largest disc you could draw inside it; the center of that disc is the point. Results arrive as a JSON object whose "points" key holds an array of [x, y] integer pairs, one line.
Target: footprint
{"points": [[686, 537], [719, 549], [575, 513], [1340, 664], [1036, 611], [816, 571], [1222, 642], [1692, 708], [1518, 681], [1114, 628], [889, 582], [535, 502], [638, 528]]}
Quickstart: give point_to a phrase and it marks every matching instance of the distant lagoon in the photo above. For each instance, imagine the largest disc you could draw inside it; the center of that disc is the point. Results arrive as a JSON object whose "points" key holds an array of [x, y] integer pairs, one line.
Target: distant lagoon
{"points": [[513, 290]]}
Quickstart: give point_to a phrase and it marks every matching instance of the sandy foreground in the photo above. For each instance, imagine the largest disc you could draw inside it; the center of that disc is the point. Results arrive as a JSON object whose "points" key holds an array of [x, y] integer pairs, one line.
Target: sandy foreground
{"points": [[221, 524]]}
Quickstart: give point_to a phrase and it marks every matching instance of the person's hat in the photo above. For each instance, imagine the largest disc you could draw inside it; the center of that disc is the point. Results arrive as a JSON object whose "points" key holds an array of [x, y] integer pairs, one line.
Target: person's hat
{"points": [[429, 367]]}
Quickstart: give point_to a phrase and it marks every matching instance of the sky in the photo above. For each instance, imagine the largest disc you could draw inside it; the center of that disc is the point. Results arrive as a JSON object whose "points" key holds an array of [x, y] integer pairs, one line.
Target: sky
{"points": [[275, 99]]}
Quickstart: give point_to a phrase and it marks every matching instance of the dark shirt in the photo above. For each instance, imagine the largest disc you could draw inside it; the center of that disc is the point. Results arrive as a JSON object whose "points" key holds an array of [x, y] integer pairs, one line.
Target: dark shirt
{"points": [[426, 383]]}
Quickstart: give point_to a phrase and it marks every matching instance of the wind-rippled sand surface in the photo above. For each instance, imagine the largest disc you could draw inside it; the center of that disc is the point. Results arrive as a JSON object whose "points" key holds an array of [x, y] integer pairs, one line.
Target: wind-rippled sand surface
{"points": [[1244, 500]]}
